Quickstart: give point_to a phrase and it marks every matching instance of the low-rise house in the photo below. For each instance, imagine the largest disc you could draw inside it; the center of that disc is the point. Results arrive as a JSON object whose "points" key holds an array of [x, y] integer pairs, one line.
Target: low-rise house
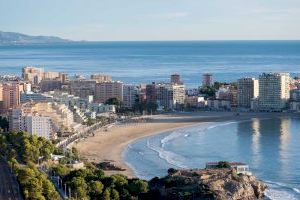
{"points": [[240, 168]]}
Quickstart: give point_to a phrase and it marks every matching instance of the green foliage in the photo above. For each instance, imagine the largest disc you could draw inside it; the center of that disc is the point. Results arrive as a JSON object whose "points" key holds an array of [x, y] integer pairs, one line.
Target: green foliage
{"points": [[223, 164], [172, 171], [28, 149], [3, 124], [36, 185], [208, 91], [113, 101], [138, 186], [25, 147], [61, 170], [95, 188]]}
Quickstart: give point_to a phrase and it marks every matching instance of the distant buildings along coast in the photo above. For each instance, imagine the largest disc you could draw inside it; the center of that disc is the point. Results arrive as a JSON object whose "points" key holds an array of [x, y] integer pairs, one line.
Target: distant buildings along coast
{"points": [[51, 104]]}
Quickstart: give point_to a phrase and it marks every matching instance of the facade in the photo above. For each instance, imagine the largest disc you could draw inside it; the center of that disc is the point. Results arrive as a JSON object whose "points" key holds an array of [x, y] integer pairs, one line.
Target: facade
{"points": [[50, 85], [130, 95], [218, 104], [274, 91], [151, 93], [195, 101], [99, 78], [228, 93], [175, 79], [247, 89], [207, 80], [295, 100], [82, 88], [240, 168], [32, 96], [38, 125], [33, 74], [170, 96], [107, 90], [25, 120], [11, 95]]}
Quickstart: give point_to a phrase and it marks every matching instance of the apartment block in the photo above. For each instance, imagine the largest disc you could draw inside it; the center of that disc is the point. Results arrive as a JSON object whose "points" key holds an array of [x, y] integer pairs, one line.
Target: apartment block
{"points": [[107, 90], [247, 89], [274, 91]]}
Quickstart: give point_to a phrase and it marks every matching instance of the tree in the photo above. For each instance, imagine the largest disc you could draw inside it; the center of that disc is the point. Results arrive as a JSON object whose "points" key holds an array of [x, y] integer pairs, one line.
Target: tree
{"points": [[3, 123], [95, 188], [138, 186], [113, 101], [223, 164], [106, 194], [114, 194], [79, 187]]}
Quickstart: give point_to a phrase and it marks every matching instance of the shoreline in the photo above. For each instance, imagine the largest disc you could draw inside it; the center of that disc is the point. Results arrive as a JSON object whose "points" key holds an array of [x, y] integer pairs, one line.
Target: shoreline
{"points": [[109, 145]]}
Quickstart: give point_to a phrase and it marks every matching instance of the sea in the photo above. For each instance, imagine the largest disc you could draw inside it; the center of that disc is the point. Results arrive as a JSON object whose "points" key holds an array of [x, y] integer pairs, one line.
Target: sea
{"points": [[270, 146], [136, 62]]}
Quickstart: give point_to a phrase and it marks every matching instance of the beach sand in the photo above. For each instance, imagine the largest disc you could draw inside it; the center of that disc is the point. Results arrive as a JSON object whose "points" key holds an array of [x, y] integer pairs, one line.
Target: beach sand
{"points": [[109, 145]]}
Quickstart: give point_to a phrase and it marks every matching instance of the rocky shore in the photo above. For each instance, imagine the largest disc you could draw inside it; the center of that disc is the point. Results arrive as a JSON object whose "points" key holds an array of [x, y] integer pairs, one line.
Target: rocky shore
{"points": [[221, 184]]}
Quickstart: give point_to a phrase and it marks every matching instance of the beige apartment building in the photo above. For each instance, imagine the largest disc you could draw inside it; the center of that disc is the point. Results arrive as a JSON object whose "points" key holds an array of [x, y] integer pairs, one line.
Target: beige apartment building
{"points": [[99, 78], [107, 90]]}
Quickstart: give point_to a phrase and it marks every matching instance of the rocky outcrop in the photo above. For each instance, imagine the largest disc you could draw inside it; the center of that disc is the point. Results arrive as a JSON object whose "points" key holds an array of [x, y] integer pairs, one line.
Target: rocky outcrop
{"points": [[221, 184]]}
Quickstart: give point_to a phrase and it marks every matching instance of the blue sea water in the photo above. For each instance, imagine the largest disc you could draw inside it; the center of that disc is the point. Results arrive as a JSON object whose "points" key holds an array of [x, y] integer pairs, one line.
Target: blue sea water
{"points": [[135, 62], [269, 146]]}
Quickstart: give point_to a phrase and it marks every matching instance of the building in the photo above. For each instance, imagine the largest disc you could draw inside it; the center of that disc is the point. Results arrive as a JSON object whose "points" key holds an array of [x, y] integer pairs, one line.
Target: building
{"points": [[51, 75], [38, 125], [81, 107], [218, 104], [130, 96], [107, 90], [195, 102], [11, 95], [33, 74], [240, 168], [170, 96], [295, 100], [47, 85], [99, 78], [32, 96], [207, 80], [247, 89], [274, 91], [62, 119], [228, 93], [175, 79], [151, 93], [82, 88], [23, 119]]}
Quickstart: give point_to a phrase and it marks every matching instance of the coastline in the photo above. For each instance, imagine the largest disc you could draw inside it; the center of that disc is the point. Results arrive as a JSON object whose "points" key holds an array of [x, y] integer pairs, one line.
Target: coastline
{"points": [[109, 145]]}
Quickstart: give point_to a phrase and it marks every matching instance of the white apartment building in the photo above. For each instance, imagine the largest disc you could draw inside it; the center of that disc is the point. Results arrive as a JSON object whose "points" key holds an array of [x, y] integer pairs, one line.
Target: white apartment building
{"points": [[274, 91], [20, 120], [247, 89], [169, 96], [38, 125]]}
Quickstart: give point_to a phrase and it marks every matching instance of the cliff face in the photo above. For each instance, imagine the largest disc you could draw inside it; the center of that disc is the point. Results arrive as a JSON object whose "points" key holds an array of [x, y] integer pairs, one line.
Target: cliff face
{"points": [[221, 184]]}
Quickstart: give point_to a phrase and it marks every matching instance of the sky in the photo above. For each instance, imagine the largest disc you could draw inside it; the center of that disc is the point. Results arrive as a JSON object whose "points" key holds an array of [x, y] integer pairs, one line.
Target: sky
{"points": [[116, 20]]}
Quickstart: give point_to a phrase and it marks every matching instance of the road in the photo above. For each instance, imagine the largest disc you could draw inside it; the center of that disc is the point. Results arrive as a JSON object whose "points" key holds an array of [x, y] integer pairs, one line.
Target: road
{"points": [[9, 188]]}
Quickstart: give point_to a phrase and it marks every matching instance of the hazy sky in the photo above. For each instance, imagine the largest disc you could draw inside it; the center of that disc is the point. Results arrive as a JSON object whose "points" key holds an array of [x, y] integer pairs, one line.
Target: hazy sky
{"points": [[153, 19]]}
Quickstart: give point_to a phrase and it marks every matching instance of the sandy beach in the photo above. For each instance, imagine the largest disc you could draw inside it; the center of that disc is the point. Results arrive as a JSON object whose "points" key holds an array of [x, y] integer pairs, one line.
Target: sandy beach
{"points": [[109, 145]]}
